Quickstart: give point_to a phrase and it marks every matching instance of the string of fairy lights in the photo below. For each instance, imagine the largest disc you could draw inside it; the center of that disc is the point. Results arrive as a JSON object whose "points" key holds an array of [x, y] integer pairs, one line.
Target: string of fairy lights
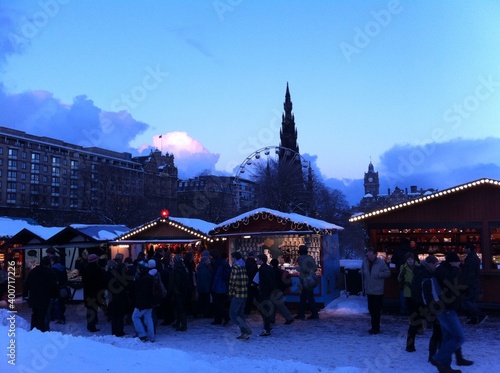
{"points": [[172, 223], [425, 198], [262, 215]]}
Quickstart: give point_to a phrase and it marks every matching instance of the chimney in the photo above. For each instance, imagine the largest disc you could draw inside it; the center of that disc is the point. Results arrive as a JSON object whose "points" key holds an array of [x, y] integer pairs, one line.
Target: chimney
{"points": [[413, 189]]}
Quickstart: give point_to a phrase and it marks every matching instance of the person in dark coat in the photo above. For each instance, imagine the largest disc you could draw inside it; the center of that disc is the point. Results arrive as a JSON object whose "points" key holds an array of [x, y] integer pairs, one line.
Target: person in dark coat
{"points": [[142, 317], [191, 285], [278, 294], [40, 287], [307, 264], [203, 275], [179, 285], [267, 284], [251, 268], [470, 275], [61, 273], [221, 271], [118, 303], [129, 272], [453, 337], [93, 291]]}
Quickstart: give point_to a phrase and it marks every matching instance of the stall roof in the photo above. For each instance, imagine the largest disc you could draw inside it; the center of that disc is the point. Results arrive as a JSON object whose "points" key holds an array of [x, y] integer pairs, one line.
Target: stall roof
{"points": [[87, 233], [194, 227], [9, 226], [438, 195], [300, 220]]}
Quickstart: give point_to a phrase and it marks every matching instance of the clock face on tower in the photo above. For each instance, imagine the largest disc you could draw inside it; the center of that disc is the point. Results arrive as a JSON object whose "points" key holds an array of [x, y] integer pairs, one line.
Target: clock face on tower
{"points": [[370, 179]]}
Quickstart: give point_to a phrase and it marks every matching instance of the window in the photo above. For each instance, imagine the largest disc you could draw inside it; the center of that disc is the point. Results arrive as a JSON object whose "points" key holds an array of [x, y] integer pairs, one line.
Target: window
{"points": [[23, 154], [35, 157], [35, 168], [11, 197], [12, 153], [11, 175], [12, 164], [35, 178], [56, 160]]}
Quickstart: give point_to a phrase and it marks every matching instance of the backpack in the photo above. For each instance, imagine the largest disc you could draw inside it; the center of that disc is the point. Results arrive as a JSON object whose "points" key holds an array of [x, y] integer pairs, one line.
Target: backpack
{"points": [[286, 279], [430, 290]]}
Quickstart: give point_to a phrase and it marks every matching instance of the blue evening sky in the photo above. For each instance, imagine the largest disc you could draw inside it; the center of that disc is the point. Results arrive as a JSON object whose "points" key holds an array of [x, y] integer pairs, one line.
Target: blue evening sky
{"points": [[413, 86]]}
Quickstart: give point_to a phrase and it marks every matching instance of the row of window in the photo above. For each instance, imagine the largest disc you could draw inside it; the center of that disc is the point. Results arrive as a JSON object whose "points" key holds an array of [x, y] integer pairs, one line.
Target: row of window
{"points": [[34, 200]]}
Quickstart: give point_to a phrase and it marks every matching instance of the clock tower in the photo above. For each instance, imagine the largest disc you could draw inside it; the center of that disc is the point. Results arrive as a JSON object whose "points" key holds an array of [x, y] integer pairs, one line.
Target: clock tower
{"points": [[371, 181]]}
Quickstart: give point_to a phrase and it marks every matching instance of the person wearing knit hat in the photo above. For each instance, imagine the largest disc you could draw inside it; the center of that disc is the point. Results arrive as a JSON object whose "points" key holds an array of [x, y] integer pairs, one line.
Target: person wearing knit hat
{"points": [[151, 264], [92, 258]]}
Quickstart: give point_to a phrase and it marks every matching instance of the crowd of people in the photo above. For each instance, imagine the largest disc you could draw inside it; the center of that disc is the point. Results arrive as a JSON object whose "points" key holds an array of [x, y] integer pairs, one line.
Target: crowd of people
{"points": [[434, 294], [170, 287], [166, 288]]}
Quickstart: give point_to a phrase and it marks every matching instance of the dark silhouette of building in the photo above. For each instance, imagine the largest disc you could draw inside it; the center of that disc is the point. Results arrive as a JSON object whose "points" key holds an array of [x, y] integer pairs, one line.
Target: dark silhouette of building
{"points": [[212, 198], [373, 200]]}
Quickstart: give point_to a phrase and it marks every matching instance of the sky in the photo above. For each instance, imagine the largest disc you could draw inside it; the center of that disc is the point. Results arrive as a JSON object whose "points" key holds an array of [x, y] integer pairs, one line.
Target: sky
{"points": [[412, 87], [336, 343]]}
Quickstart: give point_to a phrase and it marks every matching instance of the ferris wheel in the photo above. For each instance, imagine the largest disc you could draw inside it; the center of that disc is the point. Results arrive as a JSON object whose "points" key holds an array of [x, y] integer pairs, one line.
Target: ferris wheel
{"points": [[277, 175]]}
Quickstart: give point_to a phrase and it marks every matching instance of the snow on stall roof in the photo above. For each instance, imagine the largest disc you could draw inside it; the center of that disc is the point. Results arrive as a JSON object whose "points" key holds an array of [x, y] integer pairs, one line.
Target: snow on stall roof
{"points": [[44, 232], [296, 218], [197, 224], [9, 227], [101, 232]]}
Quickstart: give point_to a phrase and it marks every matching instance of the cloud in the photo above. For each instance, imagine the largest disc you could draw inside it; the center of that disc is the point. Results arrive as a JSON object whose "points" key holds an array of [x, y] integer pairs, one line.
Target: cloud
{"points": [[191, 157], [81, 123]]}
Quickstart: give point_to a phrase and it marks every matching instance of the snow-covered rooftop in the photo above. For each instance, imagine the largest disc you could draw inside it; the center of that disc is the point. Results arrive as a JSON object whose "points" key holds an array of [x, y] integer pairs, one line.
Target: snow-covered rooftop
{"points": [[293, 217]]}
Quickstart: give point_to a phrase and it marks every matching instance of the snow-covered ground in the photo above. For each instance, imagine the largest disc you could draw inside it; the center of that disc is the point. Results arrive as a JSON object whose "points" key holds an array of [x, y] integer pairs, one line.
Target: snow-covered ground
{"points": [[338, 342]]}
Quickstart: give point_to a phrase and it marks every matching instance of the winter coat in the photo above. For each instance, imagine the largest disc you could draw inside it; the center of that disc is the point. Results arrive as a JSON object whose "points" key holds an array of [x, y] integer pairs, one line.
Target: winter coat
{"points": [[144, 297], [420, 273], [203, 275], [93, 282], [251, 268], [40, 287], [238, 281], [451, 287], [470, 274], [220, 276], [180, 279], [61, 275], [374, 275], [267, 282], [307, 264], [405, 278], [117, 292]]}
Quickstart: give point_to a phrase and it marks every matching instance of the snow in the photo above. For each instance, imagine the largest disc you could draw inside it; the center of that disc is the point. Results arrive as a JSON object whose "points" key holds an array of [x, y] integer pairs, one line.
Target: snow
{"points": [[296, 218], [338, 343], [196, 224], [10, 226]]}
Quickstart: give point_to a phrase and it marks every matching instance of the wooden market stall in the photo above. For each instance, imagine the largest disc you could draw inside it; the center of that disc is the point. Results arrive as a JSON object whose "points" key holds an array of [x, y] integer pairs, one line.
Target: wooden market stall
{"points": [[278, 235], [442, 222], [173, 234]]}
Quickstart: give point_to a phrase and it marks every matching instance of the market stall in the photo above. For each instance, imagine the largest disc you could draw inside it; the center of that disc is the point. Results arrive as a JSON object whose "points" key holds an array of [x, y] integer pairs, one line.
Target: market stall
{"points": [[173, 234], [442, 222], [279, 235]]}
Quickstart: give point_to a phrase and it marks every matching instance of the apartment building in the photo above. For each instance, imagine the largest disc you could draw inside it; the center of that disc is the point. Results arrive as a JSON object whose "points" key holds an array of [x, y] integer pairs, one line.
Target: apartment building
{"points": [[59, 183]]}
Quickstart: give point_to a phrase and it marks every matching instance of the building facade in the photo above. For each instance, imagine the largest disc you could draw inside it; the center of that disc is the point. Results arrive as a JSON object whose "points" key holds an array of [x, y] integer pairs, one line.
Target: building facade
{"points": [[58, 183]]}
